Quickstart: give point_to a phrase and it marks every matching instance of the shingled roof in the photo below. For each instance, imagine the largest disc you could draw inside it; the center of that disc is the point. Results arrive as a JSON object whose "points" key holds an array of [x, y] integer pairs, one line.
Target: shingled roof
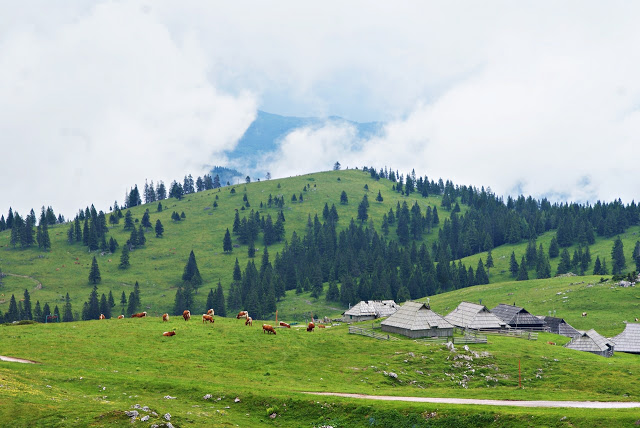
{"points": [[416, 316], [516, 316], [592, 341], [475, 316], [374, 308], [629, 339], [559, 326]]}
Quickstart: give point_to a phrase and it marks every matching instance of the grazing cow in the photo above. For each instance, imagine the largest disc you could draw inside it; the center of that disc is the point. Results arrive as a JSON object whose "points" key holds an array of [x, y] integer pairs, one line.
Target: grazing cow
{"points": [[169, 333], [321, 326], [209, 318], [242, 314], [311, 326], [102, 317], [584, 314], [284, 324], [165, 317], [551, 343], [636, 319], [268, 328], [211, 312], [120, 317], [186, 315], [249, 321], [139, 315]]}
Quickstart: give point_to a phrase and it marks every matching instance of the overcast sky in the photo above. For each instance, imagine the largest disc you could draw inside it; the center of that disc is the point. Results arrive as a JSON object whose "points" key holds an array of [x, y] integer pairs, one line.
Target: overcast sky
{"points": [[539, 98]]}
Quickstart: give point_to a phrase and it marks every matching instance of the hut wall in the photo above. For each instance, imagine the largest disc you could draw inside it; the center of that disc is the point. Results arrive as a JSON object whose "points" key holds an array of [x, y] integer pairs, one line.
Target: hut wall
{"points": [[357, 318], [416, 334]]}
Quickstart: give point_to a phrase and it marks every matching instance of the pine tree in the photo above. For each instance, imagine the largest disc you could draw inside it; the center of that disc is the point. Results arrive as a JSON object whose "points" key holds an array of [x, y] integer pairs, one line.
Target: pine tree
{"points": [[226, 242], [67, 312], [523, 275], [159, 229], [12, 314], [141, 239], [56, 313], [37, 312], [344, 200], [94, 305], [128, 221], [124, 258], [191, 272], [94, 274], [146, 220], [489, 263], [565, 263], [132, 308], [123, 301], [618, 262], [218, 301], [635, 256], [26, 306], [209, 304], [379, 198], [46, 311], [333, 293], [105, 309], [597, 267], [513, 265], [252, 250], [554, 248], [481, 274]]}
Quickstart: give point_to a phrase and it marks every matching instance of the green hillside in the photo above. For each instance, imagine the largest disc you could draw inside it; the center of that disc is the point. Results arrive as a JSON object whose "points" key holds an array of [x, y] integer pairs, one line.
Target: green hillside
{"points": [[91, 372], [158, 266]]}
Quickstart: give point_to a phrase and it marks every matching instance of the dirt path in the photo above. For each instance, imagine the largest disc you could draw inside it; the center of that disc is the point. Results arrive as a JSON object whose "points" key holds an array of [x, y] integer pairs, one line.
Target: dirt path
{"points": [[467, 401], [16, 360], [38, 283]]}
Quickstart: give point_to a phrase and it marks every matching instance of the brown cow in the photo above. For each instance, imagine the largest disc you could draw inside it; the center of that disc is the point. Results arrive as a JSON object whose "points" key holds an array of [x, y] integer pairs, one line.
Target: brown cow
{"points": [[165, 317], [551, 343], [268, 328], [169, 333], [102, 317], [120, 317], [311, 326], [242, 314], [186, 315], [139, 315], [209, 318], [249, 321], [211, 312], [284, 324], [321, 326]]}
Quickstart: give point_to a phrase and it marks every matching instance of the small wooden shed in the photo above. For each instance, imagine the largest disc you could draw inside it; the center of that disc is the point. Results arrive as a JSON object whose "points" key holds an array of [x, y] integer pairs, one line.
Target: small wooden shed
{"points": [[416, 319], [366, 310], [474, 316], [592, 341], [517, 317], [628, 340], [559, 326]]}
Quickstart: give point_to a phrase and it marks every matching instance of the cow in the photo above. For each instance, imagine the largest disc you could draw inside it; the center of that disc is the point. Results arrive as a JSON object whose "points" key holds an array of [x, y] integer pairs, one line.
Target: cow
{"points": [[636, 319], [284, 324], [551, 343], [165, 317], [211, 312], [206, 318], [249, 321], [120, 317], [584, 314], [242, 314], [186, 315], [268, 329], [139, 315], [102, 317], [321, 326], [311, 326], [169, 333]]}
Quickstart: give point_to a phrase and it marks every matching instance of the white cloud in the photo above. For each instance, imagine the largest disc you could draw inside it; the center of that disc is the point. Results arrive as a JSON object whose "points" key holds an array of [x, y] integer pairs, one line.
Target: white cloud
{"points": [[92, 106]]}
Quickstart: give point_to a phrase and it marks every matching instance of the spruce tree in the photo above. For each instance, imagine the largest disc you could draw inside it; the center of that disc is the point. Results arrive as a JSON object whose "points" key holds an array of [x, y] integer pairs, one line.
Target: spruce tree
{"points": [[94, 273], [105, 309], [141, 239], [513, 265], [481, 274], [132, 308], [618, 262], [379, 198], [218, 301], [123, 300], [636, 256], [565, 263], [12, 314], [597, 267], [363, 215], [489, 263], [554, 248], [146, 220], [159, 229], [56, 313], [344, 200], [523, 275], [191, 272], [209, 304], [46, 311], [94, 304], [67, 313], [226, 242], [124, 258], [251, 252], [128, 221], [333, 293], [26, 311], [37, 312], [112, 302]]}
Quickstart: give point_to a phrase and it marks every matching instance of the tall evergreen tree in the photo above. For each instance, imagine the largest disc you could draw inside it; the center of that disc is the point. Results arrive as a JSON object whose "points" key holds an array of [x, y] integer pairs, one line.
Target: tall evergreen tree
{"points": [[124, 258], [191, 272], [123, 301], [227, 246], [344, 200], [523, 275], [554, 248], [363, 208], [565, 263], [12, 314], [94, 273], [67, 312], [37, 312], [93, 305], [105, 309], [618, 262], [128, 221], [513, 265], [146, 220], [218, 301], [132, 307], [481, 274], [159, 229], [635, 256], [26, 306], [209, 304]]}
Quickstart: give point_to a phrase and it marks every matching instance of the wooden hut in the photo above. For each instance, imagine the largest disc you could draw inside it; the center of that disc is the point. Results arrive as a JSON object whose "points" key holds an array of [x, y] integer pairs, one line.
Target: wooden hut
{"points": [[591, 341], [370, 310], [628, 340], [474, 316], [559, 326], [517, 317], [416, 319]]}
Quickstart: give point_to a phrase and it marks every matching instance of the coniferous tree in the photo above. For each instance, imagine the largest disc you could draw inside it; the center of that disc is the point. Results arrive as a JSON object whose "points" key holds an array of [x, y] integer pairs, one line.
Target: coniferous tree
{"points": [[146, 220], [403, 295], [56, 313], [37, 312], [363, 208], [46, 311], [123, 301], [67, 313], [481, 274], [636, 256], [218, 301], [489, 263], [105, 309], [554, 248], [132, 307], [333, 293], [112, 302], [379, 198], [513, 265], [209, 304], [523, 275], [618, 262], [94, 273], [565, 263], [124, 258], [12, 314], [252, 250], [26, 306], [191, 272], [93, 312], [344, 200], [226, 242], [141, 239], [159, 229], [128, 221]]}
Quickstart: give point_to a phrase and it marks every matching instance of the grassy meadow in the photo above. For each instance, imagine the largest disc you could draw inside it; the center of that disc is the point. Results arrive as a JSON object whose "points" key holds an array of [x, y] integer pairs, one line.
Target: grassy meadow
{"points": [[90, 373]]}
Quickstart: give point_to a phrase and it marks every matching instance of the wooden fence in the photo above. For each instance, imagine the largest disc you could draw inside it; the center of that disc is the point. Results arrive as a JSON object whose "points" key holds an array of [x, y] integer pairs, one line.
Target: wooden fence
{"points": [[370, 333], [467, 338]]}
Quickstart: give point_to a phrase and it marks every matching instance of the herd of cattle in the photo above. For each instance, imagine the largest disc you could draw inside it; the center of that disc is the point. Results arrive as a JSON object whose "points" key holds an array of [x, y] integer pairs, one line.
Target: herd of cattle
{"points": [[266, 328]]}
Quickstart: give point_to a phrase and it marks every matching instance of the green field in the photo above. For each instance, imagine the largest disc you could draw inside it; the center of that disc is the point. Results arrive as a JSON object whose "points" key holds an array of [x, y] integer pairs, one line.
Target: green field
{"points": [[91, 372]]}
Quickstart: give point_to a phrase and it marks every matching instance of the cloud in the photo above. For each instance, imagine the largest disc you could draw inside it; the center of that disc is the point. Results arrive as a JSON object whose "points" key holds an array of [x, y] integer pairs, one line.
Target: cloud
{"points": [[92, 105]]}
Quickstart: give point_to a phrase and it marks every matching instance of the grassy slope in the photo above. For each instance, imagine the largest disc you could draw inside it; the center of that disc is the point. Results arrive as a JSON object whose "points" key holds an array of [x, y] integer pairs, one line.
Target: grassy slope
{"points": [[158, 267], [93, 371]]}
